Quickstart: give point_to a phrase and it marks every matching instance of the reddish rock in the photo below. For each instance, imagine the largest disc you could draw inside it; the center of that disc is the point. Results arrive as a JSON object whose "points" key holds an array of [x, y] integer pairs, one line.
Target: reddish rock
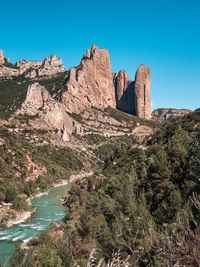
{"points": [[142, 92], [124, 92], [2, 60], [91, 83]]}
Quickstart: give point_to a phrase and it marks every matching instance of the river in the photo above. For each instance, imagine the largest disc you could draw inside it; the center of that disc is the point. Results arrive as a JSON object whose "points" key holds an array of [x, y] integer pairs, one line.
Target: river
{"points": [[48, 208]]}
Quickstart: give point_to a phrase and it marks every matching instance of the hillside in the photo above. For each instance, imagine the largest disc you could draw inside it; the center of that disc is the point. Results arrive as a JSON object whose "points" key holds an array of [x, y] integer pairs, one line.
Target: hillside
{"points": [[141, 205], [141, 208]]}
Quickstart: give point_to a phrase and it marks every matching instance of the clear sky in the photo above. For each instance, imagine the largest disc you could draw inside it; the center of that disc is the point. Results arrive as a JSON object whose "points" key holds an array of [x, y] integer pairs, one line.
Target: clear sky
{"points": [[163, 34]]}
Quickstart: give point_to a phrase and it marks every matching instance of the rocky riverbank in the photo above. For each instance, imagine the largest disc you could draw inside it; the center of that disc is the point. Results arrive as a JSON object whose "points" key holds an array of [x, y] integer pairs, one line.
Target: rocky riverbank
{"points": [[11, 217]]}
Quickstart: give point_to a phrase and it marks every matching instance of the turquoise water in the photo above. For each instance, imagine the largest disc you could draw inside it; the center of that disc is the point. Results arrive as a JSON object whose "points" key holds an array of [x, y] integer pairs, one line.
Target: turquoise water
{"points": [[49, 208]]}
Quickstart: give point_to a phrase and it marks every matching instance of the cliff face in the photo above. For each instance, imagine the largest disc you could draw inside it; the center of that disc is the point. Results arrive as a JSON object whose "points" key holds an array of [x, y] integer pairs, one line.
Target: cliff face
{"points": [[170, 113], [2, 61], [91, 83], [38, 101], [124, 92], [142, 92]]}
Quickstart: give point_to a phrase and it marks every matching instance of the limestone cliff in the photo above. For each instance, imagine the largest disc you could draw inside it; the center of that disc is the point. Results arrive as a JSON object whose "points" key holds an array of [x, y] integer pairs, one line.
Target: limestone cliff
{"points": [[38, 101], [170, 113], [91, 83], [142, 92], [124, 92], [2, 61]]}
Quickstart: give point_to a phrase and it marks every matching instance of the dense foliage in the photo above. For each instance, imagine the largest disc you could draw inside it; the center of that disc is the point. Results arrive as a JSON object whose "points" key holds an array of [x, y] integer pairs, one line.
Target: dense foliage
{"points": [[19, 159], [143, 208]]}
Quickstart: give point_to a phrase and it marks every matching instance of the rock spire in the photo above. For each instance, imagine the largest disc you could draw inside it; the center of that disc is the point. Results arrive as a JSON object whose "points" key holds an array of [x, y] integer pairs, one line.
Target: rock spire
{"points": [[2, 60], [142, 92]]}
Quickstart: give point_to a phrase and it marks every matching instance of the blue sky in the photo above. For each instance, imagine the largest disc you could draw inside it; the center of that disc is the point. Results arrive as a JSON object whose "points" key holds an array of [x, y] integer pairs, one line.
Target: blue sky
{"points": [[164, 34]]}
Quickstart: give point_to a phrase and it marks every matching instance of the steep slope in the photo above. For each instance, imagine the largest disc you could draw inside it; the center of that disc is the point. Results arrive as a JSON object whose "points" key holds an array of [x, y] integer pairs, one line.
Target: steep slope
{"points": [[144, 205], [91, 83]]}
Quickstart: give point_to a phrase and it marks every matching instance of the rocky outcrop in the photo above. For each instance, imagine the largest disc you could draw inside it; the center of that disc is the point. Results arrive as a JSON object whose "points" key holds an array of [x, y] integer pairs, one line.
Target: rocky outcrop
{"points": [[91, 83], [2, 61], [8, 71], [36, 98], [38, 101], [31, 69], [170, 113], [142, 92], [124, 92], [50, 66]]}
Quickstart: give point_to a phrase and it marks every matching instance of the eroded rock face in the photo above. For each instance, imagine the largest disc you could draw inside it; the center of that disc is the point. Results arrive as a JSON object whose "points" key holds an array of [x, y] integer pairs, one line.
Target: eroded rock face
{"points": [[31, 69], [124, 92], [2, 61], [142, 92], [170, 113], [91, 83], [51, 66], [38, 101], [37, 97]]}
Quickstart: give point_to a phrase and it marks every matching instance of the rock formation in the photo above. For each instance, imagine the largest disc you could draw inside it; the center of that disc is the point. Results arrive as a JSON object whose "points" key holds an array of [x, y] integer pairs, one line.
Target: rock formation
{"points": [[91, 83], [124, 92], [31, 69], [2, 61], [38, 101], [36, 98], [170, 113], [142, 92], [51, 66]]}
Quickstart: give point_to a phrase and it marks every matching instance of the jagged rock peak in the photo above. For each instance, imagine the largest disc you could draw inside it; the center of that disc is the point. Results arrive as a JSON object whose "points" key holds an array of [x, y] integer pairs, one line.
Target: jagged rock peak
{"points": [[142, 92], [94, 47], [91, 83], [88, 53], [2, 60]]}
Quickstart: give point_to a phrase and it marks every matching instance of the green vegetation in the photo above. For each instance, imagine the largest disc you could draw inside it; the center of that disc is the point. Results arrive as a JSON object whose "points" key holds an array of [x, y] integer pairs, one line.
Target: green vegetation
{"points": [[12, 95], [143, 208], [18, 159], [125, 117], [54, 84]]}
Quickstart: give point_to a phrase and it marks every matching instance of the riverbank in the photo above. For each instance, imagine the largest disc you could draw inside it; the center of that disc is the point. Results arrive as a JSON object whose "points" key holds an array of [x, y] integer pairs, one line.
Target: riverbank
{"points": [[24, 216]]}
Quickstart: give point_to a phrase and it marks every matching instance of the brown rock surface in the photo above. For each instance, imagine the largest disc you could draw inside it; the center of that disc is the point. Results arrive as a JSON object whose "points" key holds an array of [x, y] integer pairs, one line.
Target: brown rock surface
{"points": [[142, 92], [50, 66], [124, 92], [170, 113], [2, 61], [91, 83], [38, 101]]}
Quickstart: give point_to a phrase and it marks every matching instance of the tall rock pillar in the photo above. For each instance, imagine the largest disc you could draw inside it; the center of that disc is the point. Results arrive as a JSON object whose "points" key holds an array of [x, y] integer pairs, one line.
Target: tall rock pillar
{"points": [[2, 61], [142, 92]]}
